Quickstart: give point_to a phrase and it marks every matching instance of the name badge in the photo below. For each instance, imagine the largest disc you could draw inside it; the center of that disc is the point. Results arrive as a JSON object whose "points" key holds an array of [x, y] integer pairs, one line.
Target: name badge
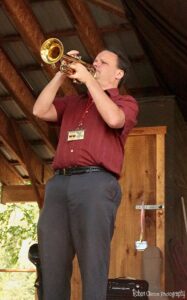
{"points": [[75, 135]]}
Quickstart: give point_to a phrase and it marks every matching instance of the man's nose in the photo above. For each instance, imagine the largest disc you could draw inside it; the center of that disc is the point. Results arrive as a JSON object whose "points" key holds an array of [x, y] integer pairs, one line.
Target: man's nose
{"points": [[96, 64]]}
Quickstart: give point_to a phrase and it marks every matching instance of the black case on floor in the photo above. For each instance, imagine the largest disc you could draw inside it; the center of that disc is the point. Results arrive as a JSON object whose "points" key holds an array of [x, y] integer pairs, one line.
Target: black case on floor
{"points": [[123, 288]]}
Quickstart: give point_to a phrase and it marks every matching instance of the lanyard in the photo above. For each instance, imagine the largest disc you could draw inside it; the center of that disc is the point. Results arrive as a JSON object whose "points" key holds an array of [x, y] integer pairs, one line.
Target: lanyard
{"points": [[88, 106]]}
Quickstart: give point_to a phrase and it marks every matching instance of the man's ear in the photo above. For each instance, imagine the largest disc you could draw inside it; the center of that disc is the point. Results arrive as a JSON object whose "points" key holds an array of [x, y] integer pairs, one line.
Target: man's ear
{"points": [[119, 74]]}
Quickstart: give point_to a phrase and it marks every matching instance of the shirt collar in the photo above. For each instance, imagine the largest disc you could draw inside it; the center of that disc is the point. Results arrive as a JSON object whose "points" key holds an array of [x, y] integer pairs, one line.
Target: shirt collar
{"points": [[110, 92]]}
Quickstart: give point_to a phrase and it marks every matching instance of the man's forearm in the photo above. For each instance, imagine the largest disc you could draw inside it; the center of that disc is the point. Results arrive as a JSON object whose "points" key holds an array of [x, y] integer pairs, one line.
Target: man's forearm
{"points": [[45, 99]]}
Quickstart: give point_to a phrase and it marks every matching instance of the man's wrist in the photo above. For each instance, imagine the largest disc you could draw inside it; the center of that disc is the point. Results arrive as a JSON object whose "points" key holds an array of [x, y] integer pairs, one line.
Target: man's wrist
{"points": [[59, 74], [59, 77], [89, 81]]}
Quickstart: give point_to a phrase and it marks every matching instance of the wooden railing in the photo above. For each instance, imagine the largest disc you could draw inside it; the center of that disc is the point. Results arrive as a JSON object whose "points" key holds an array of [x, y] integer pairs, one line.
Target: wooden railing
{"points": [[17, 270]]}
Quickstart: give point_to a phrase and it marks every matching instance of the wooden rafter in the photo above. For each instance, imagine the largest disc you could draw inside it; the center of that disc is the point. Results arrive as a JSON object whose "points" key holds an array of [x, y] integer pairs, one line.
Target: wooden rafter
{"points": [[31, 32], [17, 37], [8, 174], [26, 152], [70, 32], [8, 137], [10, 142], [110, 7], [86, 26], [20, 193], [20, 92], [6, 98]]}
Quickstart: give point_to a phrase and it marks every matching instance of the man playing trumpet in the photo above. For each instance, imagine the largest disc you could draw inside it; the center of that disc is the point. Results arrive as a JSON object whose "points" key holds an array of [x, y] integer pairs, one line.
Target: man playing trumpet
{"points": [[82, 198]]}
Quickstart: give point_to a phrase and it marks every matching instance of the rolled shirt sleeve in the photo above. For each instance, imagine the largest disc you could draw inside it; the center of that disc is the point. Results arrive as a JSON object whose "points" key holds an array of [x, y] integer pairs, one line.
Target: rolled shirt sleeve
{"points": [[130, 108]]}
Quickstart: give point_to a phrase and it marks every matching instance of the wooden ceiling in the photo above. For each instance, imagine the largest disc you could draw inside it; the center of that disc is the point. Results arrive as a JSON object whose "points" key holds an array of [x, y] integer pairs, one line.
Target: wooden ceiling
{"points": [[27, 144]]}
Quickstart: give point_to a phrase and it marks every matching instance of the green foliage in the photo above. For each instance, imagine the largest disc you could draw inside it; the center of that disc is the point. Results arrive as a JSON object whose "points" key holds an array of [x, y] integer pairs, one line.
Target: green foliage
{"points": [[17, 223], [17, 286], [17, 233]]}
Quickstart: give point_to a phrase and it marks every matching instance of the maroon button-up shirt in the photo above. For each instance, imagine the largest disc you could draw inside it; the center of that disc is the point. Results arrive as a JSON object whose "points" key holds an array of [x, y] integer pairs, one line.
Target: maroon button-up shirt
{"points": [[102, 146]]}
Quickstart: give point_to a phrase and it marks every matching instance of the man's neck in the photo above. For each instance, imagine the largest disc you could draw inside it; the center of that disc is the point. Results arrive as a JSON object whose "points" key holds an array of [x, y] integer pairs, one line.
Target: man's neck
{"points": [[108, 86]]}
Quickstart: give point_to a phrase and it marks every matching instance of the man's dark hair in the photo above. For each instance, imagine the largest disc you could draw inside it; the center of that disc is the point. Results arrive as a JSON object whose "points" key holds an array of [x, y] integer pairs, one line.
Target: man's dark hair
{"points": [[123, 64]]}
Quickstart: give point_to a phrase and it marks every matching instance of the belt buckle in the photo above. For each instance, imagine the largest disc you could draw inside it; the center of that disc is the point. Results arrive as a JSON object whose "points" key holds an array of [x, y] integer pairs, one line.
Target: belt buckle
{"points": [[64, 171]]}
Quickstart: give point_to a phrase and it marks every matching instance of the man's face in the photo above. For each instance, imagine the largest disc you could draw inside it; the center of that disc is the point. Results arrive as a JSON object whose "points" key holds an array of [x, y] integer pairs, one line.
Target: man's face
{"points": [[107, 71]]}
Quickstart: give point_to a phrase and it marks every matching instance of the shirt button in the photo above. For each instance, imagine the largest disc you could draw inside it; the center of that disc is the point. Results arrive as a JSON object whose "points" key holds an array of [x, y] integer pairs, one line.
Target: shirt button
{"points": [[71, 150]]}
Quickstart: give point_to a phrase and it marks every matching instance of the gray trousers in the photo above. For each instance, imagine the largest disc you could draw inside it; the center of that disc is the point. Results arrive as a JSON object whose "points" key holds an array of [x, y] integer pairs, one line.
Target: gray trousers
{"points": [[78, 217]]}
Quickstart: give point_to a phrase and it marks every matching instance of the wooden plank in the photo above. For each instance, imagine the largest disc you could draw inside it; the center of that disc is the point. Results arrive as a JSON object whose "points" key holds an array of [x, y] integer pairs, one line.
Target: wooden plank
{"points": [[27, 154], [148, 130], [160, 198], [86, 26], [20, 193], [138, 184], [8, 137], [17, 270], [76, 286], [8, 174]]}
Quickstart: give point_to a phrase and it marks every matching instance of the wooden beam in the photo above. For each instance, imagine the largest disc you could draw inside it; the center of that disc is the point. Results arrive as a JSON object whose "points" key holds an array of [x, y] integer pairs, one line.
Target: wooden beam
{"points": [[8, 174], [115, 28], [36, 142], [9, 140], [59, 34], [86, 26], [153, 130], [20, 92], [22, 121], [48, 161], [30, 67], [26, 153], [10, 38], [31, 32], [114, 9], [6, 98], [20, 193], [70, 32], [14, 163], [40, 1]]}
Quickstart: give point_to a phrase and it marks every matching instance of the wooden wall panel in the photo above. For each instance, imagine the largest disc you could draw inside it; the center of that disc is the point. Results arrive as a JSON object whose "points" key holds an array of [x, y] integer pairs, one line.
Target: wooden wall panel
{"points": [[138, 184], [142, 180]]}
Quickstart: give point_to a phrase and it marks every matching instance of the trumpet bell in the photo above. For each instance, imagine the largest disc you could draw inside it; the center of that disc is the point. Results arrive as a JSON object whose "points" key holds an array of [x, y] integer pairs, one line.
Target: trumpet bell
{"points": [[52, 51]]}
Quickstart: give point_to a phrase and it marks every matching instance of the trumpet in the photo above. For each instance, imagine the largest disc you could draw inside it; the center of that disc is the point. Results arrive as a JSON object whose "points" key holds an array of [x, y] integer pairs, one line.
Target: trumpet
{"points": [[52, 51]]}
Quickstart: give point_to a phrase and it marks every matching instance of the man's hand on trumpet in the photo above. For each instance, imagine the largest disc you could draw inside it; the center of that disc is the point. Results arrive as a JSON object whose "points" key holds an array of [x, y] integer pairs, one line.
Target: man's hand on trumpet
{"points": [[74, 53], [81, 73]]}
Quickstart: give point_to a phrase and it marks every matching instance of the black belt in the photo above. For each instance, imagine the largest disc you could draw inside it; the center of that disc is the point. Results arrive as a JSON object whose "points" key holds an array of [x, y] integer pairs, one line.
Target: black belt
{"points": [[79, 170]]}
